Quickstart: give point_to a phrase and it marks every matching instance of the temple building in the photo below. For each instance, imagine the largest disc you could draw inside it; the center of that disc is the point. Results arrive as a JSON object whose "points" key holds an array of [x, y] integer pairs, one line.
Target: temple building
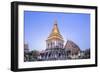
{"points": [[26, 48], [54, 46], [72, 49], [55, 39]]}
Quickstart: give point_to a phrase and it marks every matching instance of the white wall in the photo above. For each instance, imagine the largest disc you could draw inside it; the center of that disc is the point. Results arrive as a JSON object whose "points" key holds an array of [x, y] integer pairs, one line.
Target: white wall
{"points": [[5, 35]]}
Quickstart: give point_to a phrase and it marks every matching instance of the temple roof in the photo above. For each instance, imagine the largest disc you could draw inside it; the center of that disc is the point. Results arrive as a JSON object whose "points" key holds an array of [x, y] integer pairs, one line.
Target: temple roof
{"points": [[70, 45], [55, 34]]}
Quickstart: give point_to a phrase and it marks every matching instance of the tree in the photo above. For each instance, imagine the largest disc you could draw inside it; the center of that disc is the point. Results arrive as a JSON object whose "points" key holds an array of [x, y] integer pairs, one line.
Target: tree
{"points": [[35, 54], [87, 53]]}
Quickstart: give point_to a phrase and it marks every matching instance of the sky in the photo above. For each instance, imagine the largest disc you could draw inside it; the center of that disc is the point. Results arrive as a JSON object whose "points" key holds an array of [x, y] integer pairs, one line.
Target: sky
{"points": [[72, 26]]}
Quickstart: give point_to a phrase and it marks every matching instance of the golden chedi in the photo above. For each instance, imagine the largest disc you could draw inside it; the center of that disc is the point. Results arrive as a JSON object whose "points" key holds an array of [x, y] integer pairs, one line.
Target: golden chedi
{"points": [[55, 39]]}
